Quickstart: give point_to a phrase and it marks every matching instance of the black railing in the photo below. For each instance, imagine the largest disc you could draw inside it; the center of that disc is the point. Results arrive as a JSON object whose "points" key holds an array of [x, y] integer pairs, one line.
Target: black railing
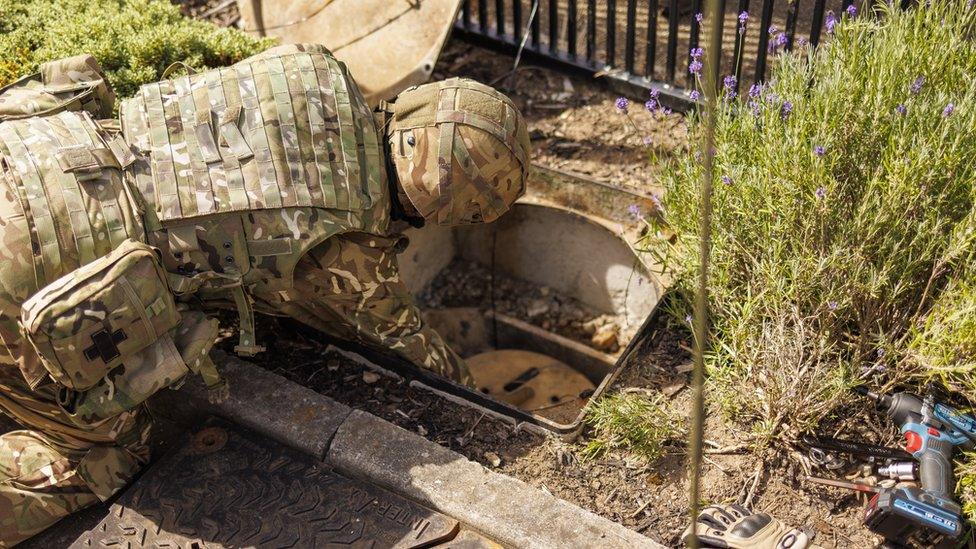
{"points": [[657, 36]]}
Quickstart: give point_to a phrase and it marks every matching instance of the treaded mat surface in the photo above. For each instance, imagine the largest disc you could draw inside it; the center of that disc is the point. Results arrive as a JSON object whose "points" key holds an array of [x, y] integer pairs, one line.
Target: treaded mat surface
{"points": [[226, 487]]}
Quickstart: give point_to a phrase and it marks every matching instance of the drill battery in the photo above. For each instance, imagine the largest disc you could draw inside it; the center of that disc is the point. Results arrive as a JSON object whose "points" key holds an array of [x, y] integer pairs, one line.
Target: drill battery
{"points": [[909, 515]]}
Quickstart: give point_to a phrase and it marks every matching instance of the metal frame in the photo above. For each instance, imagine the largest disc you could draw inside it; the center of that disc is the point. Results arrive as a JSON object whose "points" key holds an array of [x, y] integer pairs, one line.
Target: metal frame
{"points": [[561, 48]]}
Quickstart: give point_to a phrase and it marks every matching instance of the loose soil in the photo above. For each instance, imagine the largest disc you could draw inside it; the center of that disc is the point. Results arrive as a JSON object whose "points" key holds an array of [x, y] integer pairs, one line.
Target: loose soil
{"points": [[471, 284]]}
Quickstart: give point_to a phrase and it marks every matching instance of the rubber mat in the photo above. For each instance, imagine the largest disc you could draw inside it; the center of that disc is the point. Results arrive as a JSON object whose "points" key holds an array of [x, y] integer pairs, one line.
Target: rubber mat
{"points": [[230, 488]]}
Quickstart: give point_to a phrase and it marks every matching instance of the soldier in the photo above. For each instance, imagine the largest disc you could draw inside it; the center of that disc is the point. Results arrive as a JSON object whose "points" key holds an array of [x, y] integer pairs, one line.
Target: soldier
{"points": [[266, 186]]}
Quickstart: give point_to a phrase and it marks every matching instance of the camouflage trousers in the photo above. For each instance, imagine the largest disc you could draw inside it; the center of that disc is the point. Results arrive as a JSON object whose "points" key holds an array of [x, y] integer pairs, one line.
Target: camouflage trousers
{"points": [[57, 467], [349, 287]]}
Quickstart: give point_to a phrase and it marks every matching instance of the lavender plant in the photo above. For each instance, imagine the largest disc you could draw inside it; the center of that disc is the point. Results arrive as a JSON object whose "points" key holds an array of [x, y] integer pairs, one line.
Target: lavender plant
{"points": [[844, 229]]}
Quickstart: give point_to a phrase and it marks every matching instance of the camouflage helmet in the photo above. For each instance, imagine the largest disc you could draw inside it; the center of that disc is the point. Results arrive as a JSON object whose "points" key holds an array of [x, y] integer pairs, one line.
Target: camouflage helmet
{"points": [[460, 150]]}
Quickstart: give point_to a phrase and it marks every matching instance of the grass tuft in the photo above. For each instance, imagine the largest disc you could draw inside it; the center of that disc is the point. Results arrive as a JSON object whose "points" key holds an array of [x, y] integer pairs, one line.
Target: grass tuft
{"points": [[133, 40], [634, 422]]}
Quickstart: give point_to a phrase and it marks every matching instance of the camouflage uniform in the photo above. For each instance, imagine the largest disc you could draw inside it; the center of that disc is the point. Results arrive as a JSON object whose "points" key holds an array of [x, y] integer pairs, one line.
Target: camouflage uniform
{"points": [[257, 187]]}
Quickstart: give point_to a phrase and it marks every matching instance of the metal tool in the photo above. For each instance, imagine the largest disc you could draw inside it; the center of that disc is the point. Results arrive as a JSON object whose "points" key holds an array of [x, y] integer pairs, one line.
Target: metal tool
{"points": [[907, 512]]}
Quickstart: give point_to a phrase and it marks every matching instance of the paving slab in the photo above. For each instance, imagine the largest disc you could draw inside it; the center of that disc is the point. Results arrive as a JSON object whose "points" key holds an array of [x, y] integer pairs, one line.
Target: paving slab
{"points": [[505, 509], [226, 487]]}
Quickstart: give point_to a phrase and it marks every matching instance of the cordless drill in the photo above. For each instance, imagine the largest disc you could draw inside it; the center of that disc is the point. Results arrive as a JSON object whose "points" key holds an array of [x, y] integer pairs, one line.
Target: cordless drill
{"points": [[932, 431]]}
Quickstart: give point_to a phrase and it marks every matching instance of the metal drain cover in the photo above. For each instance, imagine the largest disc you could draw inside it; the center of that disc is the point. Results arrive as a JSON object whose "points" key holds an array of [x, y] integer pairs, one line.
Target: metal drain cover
{"points": [[230, 488]]}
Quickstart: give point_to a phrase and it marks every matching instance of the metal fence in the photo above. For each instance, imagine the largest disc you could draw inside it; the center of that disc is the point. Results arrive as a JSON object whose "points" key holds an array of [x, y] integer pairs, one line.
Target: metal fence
{"points": [[646, 44]]}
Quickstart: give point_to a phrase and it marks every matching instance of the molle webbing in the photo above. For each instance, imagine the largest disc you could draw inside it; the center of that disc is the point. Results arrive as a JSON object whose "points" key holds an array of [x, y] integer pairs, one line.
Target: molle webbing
{"points": [[273, 131], [71, 188]]}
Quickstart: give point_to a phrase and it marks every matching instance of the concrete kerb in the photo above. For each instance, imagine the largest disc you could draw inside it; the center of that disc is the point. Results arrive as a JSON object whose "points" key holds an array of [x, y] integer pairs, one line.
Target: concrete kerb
{"points": [[361, 445]]}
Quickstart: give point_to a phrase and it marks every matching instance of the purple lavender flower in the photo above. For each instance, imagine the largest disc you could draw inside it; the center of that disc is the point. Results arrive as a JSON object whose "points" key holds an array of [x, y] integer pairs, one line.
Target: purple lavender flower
{"points": [[657, 202], [667, 111], [851, 10], [698, 17], [647, 140], [917, 85], [901, 109], [622, 103], [651, 106], [655, 94], [634, 210], [832, 305], [830, 22], [772, 30], [695, 67], [755, 91], [688, 319], [729, 82], [948, 110], [695, 95], [779, 40], [786, 110], [727, 180], [819, 150], [821, 193], [881, 353], [696, 53], [743, 17]]}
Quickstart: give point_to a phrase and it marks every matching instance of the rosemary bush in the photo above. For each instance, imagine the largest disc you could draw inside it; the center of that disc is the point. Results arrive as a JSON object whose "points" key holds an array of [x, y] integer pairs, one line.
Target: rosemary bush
{"points": [[638, 423], [134, 40], [843, 222]]}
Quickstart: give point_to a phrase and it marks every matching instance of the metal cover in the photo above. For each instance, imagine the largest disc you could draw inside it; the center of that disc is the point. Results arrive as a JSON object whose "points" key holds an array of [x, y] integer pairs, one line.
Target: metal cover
{"points": [[388, 45], [229, 488]]}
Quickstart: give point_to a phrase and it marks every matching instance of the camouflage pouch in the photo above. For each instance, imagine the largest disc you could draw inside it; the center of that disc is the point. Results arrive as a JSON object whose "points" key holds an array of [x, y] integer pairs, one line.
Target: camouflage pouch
{"points": [[71, 84], [163, 364], [88, 322]]}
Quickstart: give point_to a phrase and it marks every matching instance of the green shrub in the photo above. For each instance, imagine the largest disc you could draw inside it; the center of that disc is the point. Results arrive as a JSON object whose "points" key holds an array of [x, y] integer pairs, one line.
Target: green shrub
{"points": [[843, 221], [134, 40], [628, 421]]}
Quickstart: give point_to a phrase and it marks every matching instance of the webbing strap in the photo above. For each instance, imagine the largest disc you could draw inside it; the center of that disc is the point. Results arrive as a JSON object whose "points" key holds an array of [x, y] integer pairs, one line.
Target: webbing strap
{"points": [[267, 174], [163, 171], [247, 345], [445, 171], [180, 159], [347, 136], [81, 228], [319, 125], [484, 124], [232, 166], [298, 195], [107, 200], [50, 249], [306, 149], [197, 155], [445, 156]]}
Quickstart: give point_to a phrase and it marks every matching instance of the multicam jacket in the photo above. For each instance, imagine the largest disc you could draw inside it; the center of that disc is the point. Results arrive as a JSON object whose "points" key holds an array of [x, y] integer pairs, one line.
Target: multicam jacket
{"points": [[233, 175]]}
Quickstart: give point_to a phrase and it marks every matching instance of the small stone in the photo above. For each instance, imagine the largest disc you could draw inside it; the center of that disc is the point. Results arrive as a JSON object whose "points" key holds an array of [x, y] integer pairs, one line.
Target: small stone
{"points": [[605, 339], [544, 291], [421, 430], [370, 377], [537, 308], [493, 459]]}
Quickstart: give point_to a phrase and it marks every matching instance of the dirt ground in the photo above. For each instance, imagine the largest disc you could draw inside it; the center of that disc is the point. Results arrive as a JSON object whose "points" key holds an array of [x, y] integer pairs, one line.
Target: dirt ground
{"points": [[648, 497]]}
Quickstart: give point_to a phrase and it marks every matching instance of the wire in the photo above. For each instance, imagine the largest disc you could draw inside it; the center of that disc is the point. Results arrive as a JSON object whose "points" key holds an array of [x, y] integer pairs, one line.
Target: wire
{"points": [[697, 434]]}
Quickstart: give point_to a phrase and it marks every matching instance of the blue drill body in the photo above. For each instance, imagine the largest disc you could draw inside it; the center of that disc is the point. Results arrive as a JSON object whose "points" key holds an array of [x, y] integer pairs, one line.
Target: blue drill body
{"points": [[932, 432]]}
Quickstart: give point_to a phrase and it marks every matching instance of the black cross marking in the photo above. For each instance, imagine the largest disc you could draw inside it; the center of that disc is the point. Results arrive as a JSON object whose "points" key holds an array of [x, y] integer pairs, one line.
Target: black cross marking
{"points": [[105, 345]]}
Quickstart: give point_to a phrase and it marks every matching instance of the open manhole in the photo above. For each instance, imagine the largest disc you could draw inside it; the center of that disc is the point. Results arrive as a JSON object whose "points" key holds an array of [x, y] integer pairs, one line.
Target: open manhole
{"points": [[545, 304]]}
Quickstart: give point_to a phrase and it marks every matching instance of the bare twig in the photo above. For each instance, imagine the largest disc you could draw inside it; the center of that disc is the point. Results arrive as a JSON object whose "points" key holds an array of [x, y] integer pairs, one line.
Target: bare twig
{"points": [[747, 502], [734, 449]]}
